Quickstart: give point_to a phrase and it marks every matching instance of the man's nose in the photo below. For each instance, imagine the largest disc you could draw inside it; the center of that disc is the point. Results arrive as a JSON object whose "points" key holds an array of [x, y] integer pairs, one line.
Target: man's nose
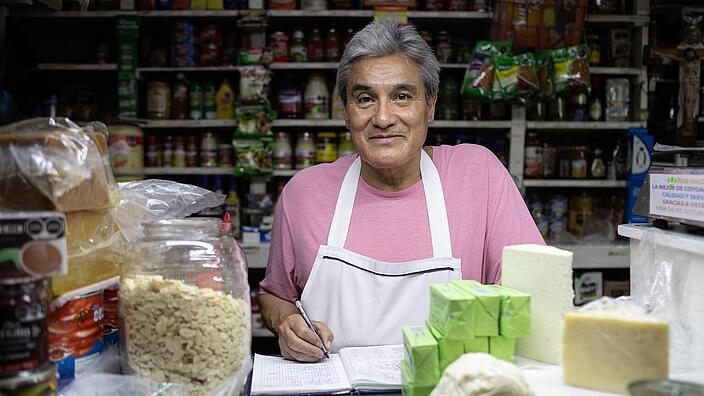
{"points": [[384, 116]]}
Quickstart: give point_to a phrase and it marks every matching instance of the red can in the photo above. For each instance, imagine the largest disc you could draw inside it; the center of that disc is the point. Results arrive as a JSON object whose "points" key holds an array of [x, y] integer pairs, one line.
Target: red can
{"points": [[76, 327], [278, 41]]}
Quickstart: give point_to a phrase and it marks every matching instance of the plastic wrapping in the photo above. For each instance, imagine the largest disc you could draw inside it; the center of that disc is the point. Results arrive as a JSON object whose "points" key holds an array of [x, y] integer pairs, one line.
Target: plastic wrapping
{"points": [[666, 281], [53, 164], [120, 385]]}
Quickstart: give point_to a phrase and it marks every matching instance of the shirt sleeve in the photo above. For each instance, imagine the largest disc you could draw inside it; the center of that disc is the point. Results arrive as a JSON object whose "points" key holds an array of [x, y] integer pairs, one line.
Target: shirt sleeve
{"points": [[508, 220], [279, 278]]}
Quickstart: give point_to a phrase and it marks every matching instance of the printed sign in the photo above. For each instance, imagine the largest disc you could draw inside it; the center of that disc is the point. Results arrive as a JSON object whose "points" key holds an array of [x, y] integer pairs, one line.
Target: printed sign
{"points": [[680, 196]]}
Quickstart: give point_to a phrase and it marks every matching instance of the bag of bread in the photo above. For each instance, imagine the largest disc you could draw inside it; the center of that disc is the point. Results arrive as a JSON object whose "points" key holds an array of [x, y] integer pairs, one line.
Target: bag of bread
{"points": [[53, 164]]}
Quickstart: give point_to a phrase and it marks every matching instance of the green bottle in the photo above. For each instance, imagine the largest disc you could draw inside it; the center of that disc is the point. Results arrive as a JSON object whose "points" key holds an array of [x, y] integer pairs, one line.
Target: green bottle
{"points": [[195, 96], [209, 104]]}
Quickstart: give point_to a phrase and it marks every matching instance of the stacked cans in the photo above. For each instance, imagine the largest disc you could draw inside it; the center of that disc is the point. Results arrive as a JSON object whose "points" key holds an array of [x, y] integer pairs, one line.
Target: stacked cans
{"points": [[32, 246], [210, 45], [184, 44]]}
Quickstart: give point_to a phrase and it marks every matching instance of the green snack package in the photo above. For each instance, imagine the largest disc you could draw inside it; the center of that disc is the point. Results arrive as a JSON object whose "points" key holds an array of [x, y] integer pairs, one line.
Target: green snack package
{"points": [[421, 352], [452, 311], [449, 350], [408, 385], [477, 344], [544, 66], [488, 306], [502, 347], [514, 318], [479, 79], [570, 71]]}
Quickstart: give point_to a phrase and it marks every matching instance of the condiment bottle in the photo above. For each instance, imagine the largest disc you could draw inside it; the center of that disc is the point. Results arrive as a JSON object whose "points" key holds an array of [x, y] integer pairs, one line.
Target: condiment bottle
{"points": [[225, 100], [283, 152], [180, 102], [208, 151], [179, 160], [195, 95], [299, 51], [305, 151], [332, 46], [346, 146], [338, 108], [533, 162], [598, 168], [159, 100], [209, 104], [168, 152], [317, 98], [316, 52]]}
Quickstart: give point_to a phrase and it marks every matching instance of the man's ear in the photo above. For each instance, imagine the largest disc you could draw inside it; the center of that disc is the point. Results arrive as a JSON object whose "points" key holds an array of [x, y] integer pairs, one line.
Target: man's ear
{"points": [[431, 109], [347, 118]]}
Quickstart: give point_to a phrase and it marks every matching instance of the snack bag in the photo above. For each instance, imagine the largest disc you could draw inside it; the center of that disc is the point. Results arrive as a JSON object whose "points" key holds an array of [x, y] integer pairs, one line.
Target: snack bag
{"points": [[571, 69], [480, 76]]}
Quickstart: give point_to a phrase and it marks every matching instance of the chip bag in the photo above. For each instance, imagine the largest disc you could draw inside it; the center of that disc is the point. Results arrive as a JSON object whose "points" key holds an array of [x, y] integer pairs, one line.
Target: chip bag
{"points": [[570, 69], [480, 77]]}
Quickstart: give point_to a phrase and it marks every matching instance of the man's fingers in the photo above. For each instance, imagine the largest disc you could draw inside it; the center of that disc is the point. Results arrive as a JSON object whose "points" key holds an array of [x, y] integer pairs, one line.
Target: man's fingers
{"points": [[301, 339], [325, 334], [290, 354]]}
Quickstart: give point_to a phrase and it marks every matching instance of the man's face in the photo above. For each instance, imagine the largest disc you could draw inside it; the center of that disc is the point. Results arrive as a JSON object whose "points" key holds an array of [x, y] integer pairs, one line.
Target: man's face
{"points": [[386, 111]]}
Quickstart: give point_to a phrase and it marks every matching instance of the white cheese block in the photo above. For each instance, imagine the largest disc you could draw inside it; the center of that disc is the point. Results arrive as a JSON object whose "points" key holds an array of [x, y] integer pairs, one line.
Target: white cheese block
{"points": [[607, 350], [545, 273]]}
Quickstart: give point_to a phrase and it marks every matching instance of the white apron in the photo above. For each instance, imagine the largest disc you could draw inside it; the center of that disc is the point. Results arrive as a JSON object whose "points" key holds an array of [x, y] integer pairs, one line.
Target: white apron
{"points": [[365, 301]]}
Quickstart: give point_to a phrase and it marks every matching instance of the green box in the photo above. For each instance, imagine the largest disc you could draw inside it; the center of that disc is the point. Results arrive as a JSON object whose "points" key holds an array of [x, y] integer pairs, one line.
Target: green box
{"points": [[488, 306], [421, 352], [502, 347], [514, 318], [452, 311], [449, 349], [476, 345], [408, 386]]}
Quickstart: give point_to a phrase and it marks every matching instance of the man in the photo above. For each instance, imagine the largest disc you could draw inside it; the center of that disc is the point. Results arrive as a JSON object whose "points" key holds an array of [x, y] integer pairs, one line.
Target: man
{"points": [[359, 241]]}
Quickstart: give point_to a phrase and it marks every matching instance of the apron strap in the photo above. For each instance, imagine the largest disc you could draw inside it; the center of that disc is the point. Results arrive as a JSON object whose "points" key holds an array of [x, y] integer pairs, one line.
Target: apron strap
{"points": [[434, 199]]}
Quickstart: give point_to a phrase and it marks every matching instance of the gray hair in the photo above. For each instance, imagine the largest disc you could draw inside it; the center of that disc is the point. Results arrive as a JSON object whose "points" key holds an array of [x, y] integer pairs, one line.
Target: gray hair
{"points": [[383, 37]]}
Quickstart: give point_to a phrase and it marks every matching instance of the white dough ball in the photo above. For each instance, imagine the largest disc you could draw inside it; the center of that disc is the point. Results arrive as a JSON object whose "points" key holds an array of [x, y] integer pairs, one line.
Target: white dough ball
{"points": [[480, 374]]}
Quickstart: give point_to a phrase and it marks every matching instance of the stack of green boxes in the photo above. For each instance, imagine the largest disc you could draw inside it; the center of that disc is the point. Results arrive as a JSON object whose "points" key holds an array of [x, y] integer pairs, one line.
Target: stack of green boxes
{"points": [[465, 316]]}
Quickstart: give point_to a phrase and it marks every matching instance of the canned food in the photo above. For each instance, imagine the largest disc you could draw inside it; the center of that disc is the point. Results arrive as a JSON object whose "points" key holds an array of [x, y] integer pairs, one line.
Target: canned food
{"points": [[23, 309], [225, 154], [110, 319], [39, 382]]}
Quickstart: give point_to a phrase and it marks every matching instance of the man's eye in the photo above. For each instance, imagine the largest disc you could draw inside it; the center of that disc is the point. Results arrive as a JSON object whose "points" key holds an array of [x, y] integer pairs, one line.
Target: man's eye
{"points": [[403, 97], [365, 99]]}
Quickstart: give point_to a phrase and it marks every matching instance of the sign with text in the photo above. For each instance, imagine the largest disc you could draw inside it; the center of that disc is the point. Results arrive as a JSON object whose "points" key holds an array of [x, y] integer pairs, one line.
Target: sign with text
{"points": [[677, 195]]}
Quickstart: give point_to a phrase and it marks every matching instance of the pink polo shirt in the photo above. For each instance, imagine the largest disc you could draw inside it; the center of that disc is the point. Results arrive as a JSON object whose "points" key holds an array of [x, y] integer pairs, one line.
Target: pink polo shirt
{"points": [[484, 208]]}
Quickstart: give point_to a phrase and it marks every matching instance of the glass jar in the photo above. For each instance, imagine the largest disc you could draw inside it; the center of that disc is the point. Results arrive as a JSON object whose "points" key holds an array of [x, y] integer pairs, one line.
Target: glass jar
{"points": [[158, 100], [316, 101], [305, 151], [326, 147], [316, 50], [299, 50], [346, 146], [184, 305], [283, 152], [533, 161]]}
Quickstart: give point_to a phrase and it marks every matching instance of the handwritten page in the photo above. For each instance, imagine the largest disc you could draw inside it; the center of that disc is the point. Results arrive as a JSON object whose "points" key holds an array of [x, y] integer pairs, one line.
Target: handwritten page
{"points": [[373, 368], [276, 375]]}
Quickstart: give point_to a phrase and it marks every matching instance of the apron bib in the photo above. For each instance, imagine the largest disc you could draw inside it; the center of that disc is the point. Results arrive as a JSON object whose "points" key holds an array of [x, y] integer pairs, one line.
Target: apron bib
{"points": [[365, 301]]}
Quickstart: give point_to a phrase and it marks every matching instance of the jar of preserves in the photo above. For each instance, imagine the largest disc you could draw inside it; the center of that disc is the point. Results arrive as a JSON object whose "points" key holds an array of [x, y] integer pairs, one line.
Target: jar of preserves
{"points": [[184, 305], [209, 151], [158, 100], [326, 147], [316, 51], [278, 41]]}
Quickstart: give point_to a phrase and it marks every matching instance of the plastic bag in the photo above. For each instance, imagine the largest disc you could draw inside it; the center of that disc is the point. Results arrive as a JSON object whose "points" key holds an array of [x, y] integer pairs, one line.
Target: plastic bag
{"points": [[120, 385], [570, 71], [254, 156], [53, 164], [517, 76], [254, 84], [480, 76]]}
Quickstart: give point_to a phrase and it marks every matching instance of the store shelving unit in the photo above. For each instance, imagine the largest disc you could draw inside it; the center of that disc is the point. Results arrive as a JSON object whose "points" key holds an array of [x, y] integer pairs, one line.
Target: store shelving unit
{"points": [[587, 125], [188, 171], [88, 67], [576, 183], [186, 124]]}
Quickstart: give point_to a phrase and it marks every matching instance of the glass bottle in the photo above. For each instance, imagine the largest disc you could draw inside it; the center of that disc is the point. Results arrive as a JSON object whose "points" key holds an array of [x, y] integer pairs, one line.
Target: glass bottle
{"points": [[533, 161], [332, 46], [209, 151], [316, 100], [283, 152], [179, 152], [598, 168], [316, 51], [168, 151], [305, 151], [346, 146], [180, 101], [298, 49]]}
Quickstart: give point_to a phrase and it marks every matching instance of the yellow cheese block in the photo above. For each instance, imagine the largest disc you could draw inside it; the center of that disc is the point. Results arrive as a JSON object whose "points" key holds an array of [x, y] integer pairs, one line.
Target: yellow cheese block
{"points": [[607, 350]]}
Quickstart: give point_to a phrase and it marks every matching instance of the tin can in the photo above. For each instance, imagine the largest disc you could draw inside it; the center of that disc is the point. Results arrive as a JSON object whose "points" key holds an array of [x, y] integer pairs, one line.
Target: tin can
{"points": [[76, 333], [278, 41], [39, 382], [23, 320], [110, 318]]}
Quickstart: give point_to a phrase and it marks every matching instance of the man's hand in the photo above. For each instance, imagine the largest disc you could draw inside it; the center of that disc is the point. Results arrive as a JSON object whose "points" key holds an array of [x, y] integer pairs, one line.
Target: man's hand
{"points": [[298, 342]]}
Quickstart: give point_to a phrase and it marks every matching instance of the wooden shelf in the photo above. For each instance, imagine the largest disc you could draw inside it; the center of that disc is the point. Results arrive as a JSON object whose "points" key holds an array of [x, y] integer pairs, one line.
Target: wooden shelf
{"points": [[188, 171], [588, 125], [77, 66], [576, 183]]}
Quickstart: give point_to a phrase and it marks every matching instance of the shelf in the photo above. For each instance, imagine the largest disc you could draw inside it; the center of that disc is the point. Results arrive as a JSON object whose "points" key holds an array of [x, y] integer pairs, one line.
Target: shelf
{"points": [[117, 13], [369, 14], [598, 256], [334, 65], [188, 171], [547, 183], [630, 71], [257, 254], [285, 123], [262, 332], [285, 172], [619, 19], [437, 124], [603, 125], [197, 69], [77, 66], [188, 124]]}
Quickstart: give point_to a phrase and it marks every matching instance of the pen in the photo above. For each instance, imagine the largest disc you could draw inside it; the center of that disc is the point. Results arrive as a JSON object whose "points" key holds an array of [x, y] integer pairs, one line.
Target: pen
{"points": [[310, 326]]}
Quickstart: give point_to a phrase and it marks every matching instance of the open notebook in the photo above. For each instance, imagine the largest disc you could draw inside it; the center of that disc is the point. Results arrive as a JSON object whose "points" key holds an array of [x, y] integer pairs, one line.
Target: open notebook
{"points": [[361, 369]]}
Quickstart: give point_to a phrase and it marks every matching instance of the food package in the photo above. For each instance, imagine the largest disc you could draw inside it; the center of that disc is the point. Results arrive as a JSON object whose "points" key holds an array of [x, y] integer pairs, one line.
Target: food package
{"points": [[517, 76], [502, 347], [514, 318], [408, 385], [76, 329], [488, 306], [570, 69], [476, 345], [449, 350], [452, 311], [480, 76], [610, 343], [254, 84], [421, 354], [254, 156], [53, 164]]}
